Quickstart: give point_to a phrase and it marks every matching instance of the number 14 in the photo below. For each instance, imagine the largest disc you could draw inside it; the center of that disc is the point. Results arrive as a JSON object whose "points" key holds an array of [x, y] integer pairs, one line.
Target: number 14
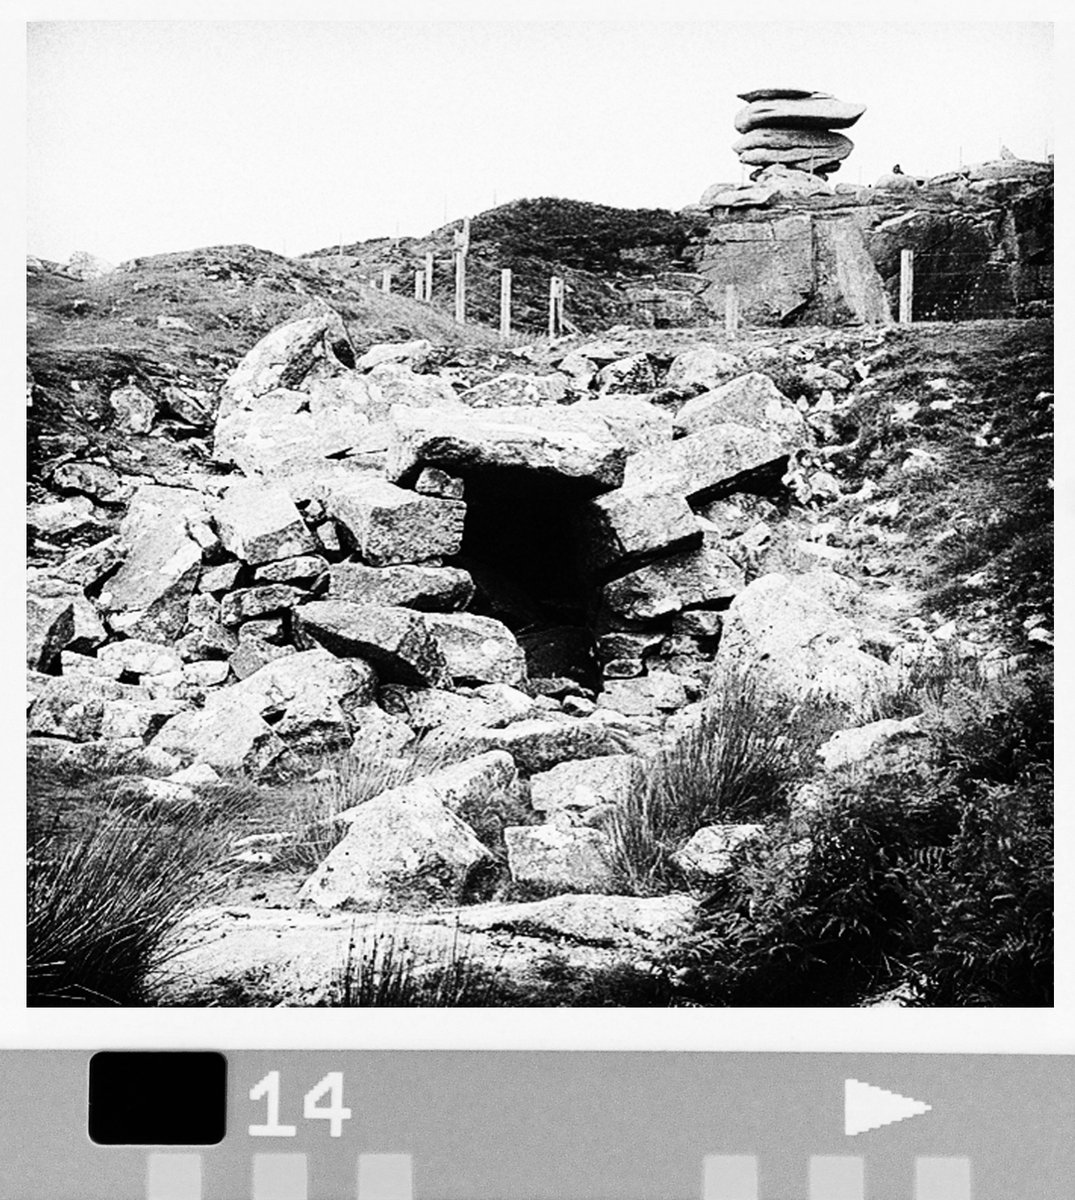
{"points": [[334, 1111]]}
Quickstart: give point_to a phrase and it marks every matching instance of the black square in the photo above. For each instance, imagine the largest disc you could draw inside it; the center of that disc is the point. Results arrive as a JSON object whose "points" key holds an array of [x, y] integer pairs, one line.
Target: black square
{"points": [[157, 1098]]}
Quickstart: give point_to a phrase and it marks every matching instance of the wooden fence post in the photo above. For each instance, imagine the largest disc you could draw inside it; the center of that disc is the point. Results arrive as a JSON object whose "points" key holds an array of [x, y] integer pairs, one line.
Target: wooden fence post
{"points": [[418, 289], [906, 286], [505, 303], [555, 305], [429, 276], [462, 244], [560, 289], [731, 310], [386, 279]]}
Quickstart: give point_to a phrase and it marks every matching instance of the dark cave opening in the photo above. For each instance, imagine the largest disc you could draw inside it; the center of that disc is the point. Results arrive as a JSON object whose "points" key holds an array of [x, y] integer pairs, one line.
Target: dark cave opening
{"points": [[521, 545]]}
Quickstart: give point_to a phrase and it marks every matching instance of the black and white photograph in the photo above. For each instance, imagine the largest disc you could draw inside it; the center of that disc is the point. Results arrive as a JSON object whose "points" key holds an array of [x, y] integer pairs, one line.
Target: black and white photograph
{"points": [[539, 514]]}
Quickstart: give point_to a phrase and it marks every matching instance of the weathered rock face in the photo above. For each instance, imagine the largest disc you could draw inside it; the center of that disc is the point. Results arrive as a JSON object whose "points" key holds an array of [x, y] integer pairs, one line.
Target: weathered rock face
{"points": [[538, 745], [396, 641], [555, 442], [793, 266]]}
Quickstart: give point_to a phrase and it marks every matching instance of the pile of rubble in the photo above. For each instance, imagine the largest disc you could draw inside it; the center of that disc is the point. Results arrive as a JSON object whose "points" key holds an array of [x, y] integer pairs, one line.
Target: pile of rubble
{"points": [[310, 593]]}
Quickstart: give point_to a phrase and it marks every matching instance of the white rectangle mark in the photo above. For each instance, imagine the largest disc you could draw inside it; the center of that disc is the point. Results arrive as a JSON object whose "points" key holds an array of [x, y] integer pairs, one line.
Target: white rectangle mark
{"points": [[279, 1177], [174, 1177], [385, 1177], [730, 1177], [836, 1177], [942, 1179]]}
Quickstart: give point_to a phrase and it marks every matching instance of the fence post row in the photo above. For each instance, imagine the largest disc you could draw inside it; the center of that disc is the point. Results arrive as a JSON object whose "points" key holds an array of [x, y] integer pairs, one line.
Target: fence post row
{"points": [[386, 279], [906, 286], [419, 286], [505, 303], [429, 275]]}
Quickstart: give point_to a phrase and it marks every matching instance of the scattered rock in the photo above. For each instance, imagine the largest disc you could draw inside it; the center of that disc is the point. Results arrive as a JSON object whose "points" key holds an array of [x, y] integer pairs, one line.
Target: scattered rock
{"points": [[391, 525], [579, 788], [786, 633], [853, 745], [635, 523], [395, 640], [258, 523], [404, 844], [714, 461], [147, 597], [429, 589], [709, 851], [573, 858], [478, 649]]}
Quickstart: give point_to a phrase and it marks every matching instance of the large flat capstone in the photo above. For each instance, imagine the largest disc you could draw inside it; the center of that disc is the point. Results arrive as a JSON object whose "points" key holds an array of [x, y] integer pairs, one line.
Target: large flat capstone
{"points": [[554, 442]]}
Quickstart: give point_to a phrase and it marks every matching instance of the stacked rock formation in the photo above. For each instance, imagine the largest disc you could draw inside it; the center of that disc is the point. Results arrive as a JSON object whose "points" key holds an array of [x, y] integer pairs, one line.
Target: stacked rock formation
{"points": [[794, 128]]}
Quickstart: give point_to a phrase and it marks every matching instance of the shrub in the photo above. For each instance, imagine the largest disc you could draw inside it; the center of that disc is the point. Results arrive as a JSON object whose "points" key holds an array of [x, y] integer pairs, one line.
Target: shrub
{"points": [[935, 873], [105, 901], [734, 763]]}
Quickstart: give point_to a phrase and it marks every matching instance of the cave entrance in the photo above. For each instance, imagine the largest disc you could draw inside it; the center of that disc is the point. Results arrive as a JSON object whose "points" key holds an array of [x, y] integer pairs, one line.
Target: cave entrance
{"points": [[521, 545]]}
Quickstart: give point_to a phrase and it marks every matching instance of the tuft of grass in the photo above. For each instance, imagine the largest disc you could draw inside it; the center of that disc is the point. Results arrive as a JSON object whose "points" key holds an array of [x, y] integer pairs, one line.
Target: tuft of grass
{"points": [[735, 763], [104, 901], [384, 970]]}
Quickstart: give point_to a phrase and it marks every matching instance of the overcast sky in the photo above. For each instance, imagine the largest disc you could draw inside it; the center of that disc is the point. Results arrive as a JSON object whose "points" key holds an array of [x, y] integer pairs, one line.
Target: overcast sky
{"points": [[152, 136]]}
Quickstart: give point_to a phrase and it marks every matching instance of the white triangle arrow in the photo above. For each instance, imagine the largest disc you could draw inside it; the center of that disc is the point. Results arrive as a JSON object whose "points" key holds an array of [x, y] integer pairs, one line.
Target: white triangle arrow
{"points": [[867, 1107]]}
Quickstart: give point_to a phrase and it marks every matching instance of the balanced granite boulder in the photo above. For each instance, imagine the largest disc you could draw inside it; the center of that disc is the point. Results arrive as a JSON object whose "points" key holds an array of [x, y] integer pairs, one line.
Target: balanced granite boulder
{"points": [[789, 128], [763, 146], [810, 112]]}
